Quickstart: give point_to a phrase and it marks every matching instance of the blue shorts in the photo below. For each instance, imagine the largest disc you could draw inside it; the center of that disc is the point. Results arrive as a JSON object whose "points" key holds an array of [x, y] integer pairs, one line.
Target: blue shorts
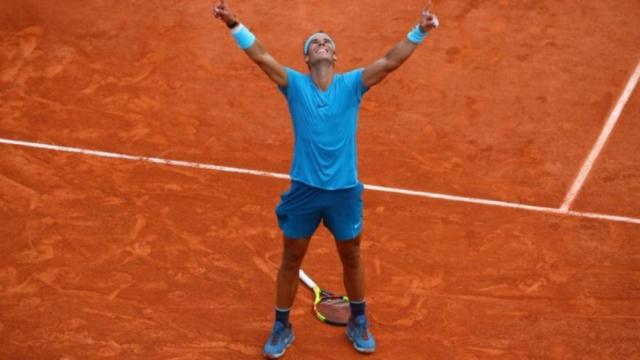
{"points": [[303, 207]]}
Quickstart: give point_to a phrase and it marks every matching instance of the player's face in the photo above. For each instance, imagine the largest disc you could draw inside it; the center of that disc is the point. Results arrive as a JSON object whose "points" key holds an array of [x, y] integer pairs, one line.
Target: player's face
{"points": [[321, 48]]}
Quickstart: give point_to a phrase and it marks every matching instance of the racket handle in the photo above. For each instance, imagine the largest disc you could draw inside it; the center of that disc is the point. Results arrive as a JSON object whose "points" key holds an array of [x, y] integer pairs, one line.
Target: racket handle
{"points": [[306, 279]]}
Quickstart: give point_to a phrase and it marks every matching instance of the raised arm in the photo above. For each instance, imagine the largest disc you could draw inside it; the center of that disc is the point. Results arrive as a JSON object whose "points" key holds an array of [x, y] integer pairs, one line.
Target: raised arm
{"points": [[379, 69], [251, 46]]}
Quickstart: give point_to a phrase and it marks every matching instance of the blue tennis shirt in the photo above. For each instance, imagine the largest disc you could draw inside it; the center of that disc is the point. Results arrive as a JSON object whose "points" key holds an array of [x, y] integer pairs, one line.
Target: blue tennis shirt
{"points": [[324, 127]]}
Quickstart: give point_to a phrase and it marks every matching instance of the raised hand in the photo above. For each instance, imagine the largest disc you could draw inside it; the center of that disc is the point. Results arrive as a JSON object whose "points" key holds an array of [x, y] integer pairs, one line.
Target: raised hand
{"points": [[428, 21], [221, 11]]}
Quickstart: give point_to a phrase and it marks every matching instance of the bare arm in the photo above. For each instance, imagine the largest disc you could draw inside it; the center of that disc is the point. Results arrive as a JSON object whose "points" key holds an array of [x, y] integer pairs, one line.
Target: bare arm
{"points": [[274, 70], [379, 69], [256, 52]]}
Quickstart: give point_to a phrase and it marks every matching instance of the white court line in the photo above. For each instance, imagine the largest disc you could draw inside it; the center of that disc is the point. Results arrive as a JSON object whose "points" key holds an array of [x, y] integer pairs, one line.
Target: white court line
{"points": [[602, 139], [424, 194], [143, 158]]}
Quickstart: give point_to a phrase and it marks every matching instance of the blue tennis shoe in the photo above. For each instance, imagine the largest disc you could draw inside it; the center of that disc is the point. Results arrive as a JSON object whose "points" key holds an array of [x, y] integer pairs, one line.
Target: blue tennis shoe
{"points": [[359, 334], [280, 339]]}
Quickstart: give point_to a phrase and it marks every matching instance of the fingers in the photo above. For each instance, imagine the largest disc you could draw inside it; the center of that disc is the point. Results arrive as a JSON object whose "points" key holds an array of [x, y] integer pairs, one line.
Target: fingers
{"points": [[429, 23], [428, 20], [427, 7], [220, 9], [434, 22], [220, 6]]}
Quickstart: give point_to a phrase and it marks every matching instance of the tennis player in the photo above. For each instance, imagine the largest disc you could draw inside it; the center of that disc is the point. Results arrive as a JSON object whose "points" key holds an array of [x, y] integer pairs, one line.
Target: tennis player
{"points": [[324, 107]]}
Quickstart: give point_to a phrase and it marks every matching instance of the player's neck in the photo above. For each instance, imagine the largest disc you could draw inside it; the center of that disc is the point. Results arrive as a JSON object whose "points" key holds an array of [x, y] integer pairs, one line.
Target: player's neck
{"points": [[322, 74]]}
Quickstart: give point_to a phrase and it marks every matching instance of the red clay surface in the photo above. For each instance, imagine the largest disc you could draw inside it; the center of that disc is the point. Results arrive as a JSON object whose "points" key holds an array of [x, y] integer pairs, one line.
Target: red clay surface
{"points": [[111, 258], [614, 187]]}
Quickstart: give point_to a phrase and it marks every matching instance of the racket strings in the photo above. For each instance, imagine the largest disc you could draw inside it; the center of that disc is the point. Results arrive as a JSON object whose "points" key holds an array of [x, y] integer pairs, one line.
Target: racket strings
{"points": [[334, 309], [334, 302]]}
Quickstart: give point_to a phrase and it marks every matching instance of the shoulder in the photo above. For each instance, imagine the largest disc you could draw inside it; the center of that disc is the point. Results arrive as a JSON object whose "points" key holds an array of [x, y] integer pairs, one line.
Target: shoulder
{"points": [[353, 79], [295, 79], [294, 76], [352, 76], [294, 73], [353, 73]]}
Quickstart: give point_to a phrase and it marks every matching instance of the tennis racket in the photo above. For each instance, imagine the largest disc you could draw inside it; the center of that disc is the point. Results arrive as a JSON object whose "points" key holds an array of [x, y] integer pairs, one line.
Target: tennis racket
{"points": [[329, 308]]}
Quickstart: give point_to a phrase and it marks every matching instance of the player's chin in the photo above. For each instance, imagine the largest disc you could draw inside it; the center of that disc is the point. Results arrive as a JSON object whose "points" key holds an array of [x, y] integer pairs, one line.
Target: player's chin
{"points": [[320, 56], [322, 59]]}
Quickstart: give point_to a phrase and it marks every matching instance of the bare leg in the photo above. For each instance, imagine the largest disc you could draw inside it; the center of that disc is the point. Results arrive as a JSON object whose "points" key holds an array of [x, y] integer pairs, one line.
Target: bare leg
{"points": [[287, 283], [353, 270], [358, 327]]}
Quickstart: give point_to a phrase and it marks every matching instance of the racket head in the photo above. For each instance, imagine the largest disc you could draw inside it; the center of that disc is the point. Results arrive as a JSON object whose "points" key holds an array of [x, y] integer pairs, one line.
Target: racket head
{"points": [[329, 308], [332, 309]]}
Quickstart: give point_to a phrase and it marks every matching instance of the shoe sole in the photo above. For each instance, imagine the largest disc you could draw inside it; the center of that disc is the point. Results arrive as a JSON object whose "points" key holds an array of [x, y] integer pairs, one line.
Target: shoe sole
{"points": [[277, 356], [359, 349]]}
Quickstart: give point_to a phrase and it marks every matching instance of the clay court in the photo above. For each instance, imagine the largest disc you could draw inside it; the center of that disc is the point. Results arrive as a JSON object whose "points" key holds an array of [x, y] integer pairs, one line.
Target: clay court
{"points": [[142, 155]]}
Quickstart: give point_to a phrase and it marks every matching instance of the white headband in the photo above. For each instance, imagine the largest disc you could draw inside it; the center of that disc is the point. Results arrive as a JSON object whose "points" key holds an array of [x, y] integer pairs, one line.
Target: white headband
{"points": [[308, 41]]}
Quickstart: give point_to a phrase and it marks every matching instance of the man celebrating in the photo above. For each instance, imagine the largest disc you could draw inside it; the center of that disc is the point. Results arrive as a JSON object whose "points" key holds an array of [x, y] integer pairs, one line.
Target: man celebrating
{"points": [[324, 109]]}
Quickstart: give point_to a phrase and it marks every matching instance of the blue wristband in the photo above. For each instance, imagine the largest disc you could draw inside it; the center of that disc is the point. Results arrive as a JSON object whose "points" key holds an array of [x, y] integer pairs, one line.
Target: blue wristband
{"points": [[243, 37], [416, 36]]}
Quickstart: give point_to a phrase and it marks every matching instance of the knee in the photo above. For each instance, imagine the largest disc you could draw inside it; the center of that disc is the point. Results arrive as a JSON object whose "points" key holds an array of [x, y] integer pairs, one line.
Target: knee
{"points": [[350, 258], [291, 259]]}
